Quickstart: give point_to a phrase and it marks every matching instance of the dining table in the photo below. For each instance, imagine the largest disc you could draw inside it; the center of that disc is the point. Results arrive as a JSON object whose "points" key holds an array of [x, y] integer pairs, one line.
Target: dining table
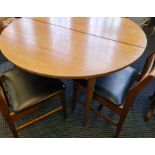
{"points": [[73, 47]]}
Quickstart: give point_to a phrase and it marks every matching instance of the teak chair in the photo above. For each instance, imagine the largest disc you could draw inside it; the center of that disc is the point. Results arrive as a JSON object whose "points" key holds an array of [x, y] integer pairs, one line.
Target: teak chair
{"points": [[1, 23], [23, 93], [117, 91]]}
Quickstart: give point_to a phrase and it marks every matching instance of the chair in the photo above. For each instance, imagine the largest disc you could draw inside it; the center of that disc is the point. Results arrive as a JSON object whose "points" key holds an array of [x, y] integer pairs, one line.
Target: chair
{"points": [[117, 91], [1, 23], [141, 21], [23, 93]]}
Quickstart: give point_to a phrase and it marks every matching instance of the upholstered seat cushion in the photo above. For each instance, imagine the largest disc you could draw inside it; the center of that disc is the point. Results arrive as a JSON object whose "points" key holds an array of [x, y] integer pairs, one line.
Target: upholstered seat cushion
{"points": [[115, 86], [25, 89]]}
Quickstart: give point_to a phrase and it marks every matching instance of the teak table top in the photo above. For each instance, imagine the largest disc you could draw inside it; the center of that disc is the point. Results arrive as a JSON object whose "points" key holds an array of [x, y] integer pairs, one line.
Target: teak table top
{"points": [[72, 47]]}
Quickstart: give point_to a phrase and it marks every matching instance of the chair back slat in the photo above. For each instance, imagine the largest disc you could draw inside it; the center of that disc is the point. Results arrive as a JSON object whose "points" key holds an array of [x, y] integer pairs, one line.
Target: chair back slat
{"points": [[148, 66], [147, 74]]}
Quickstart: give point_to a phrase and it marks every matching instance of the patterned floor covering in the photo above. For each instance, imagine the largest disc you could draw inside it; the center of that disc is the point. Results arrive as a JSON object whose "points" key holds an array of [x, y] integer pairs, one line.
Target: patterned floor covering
{"points": [[56, 126]]}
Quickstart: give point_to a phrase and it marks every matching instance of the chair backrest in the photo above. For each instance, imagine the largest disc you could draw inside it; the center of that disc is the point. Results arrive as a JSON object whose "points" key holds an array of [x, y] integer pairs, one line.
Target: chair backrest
{"points": [[1, 23], [3, 96], [148, 73], [5, 21], [148, 66], [141, 21]]}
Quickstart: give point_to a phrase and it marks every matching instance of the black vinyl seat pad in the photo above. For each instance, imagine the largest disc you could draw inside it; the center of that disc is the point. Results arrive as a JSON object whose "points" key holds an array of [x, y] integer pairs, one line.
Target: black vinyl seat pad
{"points": [[25, 89], [115, 86]]}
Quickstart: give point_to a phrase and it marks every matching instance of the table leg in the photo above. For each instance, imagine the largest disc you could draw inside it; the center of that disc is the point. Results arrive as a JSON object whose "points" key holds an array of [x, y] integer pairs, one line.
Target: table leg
{"points": [[89, 98]]}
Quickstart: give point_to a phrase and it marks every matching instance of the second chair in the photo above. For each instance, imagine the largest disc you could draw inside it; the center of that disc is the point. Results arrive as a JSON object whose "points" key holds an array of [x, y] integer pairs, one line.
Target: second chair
{"points": [[117, 91], [23, 93]]}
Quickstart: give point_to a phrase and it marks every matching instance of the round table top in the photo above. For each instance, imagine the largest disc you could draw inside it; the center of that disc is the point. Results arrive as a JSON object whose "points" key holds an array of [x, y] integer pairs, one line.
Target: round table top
{"points": [[72, 47]]}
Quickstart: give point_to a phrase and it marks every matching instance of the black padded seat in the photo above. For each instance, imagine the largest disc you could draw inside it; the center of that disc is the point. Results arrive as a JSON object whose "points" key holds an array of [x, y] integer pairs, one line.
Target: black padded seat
{"points": [[115, 86], [25, 89]]}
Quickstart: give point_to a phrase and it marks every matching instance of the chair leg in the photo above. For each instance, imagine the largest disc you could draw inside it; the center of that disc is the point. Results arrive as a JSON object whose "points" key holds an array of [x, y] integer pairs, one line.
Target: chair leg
{"points": [[6, 114], [152, 96], [75, 93], [120, 124], [149, 113], [63, 103], [10, 123], [119, 127], [12, 128]]}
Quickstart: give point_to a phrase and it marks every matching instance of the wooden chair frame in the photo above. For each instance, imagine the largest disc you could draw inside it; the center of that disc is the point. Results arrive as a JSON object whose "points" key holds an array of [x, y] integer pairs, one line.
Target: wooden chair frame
{"points": [[142, 80], [12, 117], [1, 23]]}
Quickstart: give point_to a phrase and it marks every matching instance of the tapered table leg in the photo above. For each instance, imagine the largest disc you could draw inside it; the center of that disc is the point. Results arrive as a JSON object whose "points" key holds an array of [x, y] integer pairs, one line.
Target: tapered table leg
{"points": [[89, 98]]}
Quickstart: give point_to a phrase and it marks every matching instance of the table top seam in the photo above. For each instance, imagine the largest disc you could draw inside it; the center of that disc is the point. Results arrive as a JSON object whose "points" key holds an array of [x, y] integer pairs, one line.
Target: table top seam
{"points": [[89, 34]]}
